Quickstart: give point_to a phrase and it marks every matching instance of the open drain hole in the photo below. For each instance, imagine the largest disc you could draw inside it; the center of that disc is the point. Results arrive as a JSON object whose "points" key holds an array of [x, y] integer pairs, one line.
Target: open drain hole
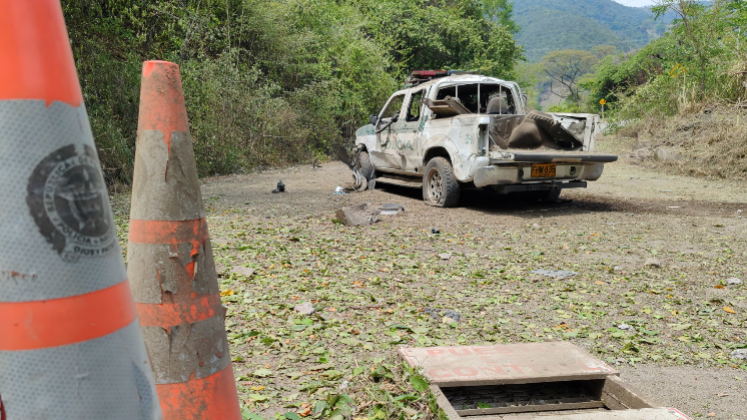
{"points": [[523, 398]]}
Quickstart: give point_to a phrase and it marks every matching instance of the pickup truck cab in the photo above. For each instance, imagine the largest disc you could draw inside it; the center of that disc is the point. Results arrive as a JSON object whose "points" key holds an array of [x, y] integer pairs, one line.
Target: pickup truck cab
{"points": [[446, 131]]}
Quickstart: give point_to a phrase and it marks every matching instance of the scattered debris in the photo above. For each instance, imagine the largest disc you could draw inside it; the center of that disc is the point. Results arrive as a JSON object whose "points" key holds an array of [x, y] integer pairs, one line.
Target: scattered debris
{"points": [[340, 191], [444, 256], [456, 316], [535, 226], [360, 215], [733, 281], [360, 181], [674, 207], [344, 385], [739, 354], [306, 308], [439, 314], [280, 187], [556, 274], [652, 262], [243, 271], [625, 327], [391, 209], [435, 231]]}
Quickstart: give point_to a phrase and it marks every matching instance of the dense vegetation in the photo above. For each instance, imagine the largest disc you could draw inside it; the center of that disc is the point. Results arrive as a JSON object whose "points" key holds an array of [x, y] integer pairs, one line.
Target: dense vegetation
{"points": [[700, 61], [550, 25], [271, 82]]}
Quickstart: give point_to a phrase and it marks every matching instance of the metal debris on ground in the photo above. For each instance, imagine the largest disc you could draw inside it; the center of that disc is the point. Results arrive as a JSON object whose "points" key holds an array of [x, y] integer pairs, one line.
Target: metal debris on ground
{"points": [[444, 256], [739, 354], [556, 274], [435, 231], [340, 191], [625, 327], [391, 209], [733, 281], [280, 187]]}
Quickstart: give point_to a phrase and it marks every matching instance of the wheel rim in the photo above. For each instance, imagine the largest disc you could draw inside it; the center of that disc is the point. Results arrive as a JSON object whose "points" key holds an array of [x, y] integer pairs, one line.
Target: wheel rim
{"points": [[435, 186]]}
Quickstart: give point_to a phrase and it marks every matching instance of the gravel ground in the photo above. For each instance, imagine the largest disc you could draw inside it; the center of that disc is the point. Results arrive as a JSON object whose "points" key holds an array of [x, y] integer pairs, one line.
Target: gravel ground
{"points": [[379, 287]]}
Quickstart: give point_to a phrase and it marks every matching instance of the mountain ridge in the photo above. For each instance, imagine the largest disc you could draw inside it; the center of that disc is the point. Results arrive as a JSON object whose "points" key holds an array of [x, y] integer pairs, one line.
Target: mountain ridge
{"points": [[549, 25]]}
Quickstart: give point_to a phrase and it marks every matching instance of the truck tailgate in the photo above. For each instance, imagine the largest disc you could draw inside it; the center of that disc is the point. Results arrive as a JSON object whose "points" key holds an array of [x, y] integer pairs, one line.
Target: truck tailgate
{"points": [[561, 157]]}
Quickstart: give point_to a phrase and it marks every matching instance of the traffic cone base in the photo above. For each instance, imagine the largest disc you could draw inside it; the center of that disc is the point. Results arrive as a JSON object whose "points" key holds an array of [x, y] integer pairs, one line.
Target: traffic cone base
{"points": [[104, 378], [171, 266], [217, 398], [70, 343]]}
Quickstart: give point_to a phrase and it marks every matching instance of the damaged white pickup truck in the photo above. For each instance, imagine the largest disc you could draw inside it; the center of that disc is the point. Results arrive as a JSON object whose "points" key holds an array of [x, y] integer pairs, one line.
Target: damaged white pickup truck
{"points": [[446, 131]]}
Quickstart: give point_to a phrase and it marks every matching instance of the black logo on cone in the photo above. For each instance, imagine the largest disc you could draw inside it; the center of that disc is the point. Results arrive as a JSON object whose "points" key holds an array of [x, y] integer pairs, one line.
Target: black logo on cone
{"points": [[68, 201]]}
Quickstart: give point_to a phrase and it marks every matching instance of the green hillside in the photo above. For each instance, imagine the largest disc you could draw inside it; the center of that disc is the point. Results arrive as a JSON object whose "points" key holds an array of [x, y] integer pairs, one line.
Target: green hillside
{"points": [[549, 25]]}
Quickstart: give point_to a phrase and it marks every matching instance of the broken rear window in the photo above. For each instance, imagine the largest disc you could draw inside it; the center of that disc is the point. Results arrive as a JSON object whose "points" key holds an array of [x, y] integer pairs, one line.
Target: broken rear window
{"points": [[474, 98]]}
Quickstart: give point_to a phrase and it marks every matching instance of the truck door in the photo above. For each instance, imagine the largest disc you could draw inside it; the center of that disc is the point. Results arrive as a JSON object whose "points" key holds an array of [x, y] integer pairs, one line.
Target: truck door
{"points": [[408, 141], [388, 128]]}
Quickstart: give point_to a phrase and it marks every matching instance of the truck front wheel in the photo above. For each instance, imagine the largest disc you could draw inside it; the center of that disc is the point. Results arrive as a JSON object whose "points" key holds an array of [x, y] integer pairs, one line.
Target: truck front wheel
{"points": [[440, 186], [365, 166]]}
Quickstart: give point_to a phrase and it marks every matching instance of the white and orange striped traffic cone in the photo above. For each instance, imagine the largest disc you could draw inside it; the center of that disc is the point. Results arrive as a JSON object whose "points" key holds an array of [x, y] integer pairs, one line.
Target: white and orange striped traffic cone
{"points": [[70, 344], [170, 261]]}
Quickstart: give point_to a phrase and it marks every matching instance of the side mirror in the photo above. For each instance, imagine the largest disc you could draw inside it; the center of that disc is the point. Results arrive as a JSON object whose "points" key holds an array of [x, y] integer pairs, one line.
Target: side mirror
{"points": [[524, 99], [373, 119]]}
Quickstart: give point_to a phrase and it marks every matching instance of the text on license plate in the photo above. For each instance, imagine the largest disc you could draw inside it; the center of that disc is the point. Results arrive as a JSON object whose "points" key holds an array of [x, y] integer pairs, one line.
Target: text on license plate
{"points": [[543, 170]]}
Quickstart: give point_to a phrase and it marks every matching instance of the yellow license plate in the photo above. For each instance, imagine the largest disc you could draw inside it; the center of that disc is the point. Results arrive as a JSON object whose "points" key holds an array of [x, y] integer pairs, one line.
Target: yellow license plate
{"points": [[543, 170]]}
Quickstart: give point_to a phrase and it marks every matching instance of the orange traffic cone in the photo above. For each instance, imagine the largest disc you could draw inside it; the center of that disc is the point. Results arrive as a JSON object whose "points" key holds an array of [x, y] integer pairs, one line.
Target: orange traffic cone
{"points": [[70, 344], [170, 261]]}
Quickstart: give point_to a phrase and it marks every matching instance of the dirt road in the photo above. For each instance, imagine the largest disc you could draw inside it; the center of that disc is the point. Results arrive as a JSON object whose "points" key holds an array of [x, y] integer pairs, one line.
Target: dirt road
{"points": [[379, 287]]}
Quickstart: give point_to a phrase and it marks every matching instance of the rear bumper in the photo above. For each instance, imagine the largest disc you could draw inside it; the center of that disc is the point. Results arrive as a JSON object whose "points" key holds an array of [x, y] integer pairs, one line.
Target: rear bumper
{"points": [[521, 174]]}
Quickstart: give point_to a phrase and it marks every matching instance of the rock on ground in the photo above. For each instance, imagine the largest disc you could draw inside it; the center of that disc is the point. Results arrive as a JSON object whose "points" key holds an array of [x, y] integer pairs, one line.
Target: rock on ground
{"points": [[360, 215], [652, 262], [306, 308], [243, 271]]}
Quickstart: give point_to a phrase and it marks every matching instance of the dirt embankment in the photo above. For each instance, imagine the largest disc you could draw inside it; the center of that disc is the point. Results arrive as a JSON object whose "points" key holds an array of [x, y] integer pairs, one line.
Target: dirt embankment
{"points": [[709, 143]]}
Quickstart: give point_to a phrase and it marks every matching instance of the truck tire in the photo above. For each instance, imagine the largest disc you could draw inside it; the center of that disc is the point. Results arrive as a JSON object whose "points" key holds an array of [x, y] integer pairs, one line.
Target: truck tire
{"points": [[365, 167], [440, 186]]}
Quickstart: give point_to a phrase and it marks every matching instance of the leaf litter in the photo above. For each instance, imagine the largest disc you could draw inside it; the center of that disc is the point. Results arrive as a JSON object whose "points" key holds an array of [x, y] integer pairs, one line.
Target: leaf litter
{"points": [[378, 288]]}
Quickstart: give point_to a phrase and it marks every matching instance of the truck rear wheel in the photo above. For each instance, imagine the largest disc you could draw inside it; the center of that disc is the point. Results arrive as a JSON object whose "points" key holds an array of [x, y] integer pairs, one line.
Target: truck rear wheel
{"points": [[440, 186]]}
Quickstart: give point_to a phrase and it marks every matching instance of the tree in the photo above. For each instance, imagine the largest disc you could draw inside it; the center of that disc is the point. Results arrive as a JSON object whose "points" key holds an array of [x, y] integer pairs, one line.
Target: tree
{"points": [[601, 51], [564, 69], [699, 25]]}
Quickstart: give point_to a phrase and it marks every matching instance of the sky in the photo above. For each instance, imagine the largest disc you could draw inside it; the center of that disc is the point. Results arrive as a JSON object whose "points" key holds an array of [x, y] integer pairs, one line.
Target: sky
{"points": [[636, 3]]}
